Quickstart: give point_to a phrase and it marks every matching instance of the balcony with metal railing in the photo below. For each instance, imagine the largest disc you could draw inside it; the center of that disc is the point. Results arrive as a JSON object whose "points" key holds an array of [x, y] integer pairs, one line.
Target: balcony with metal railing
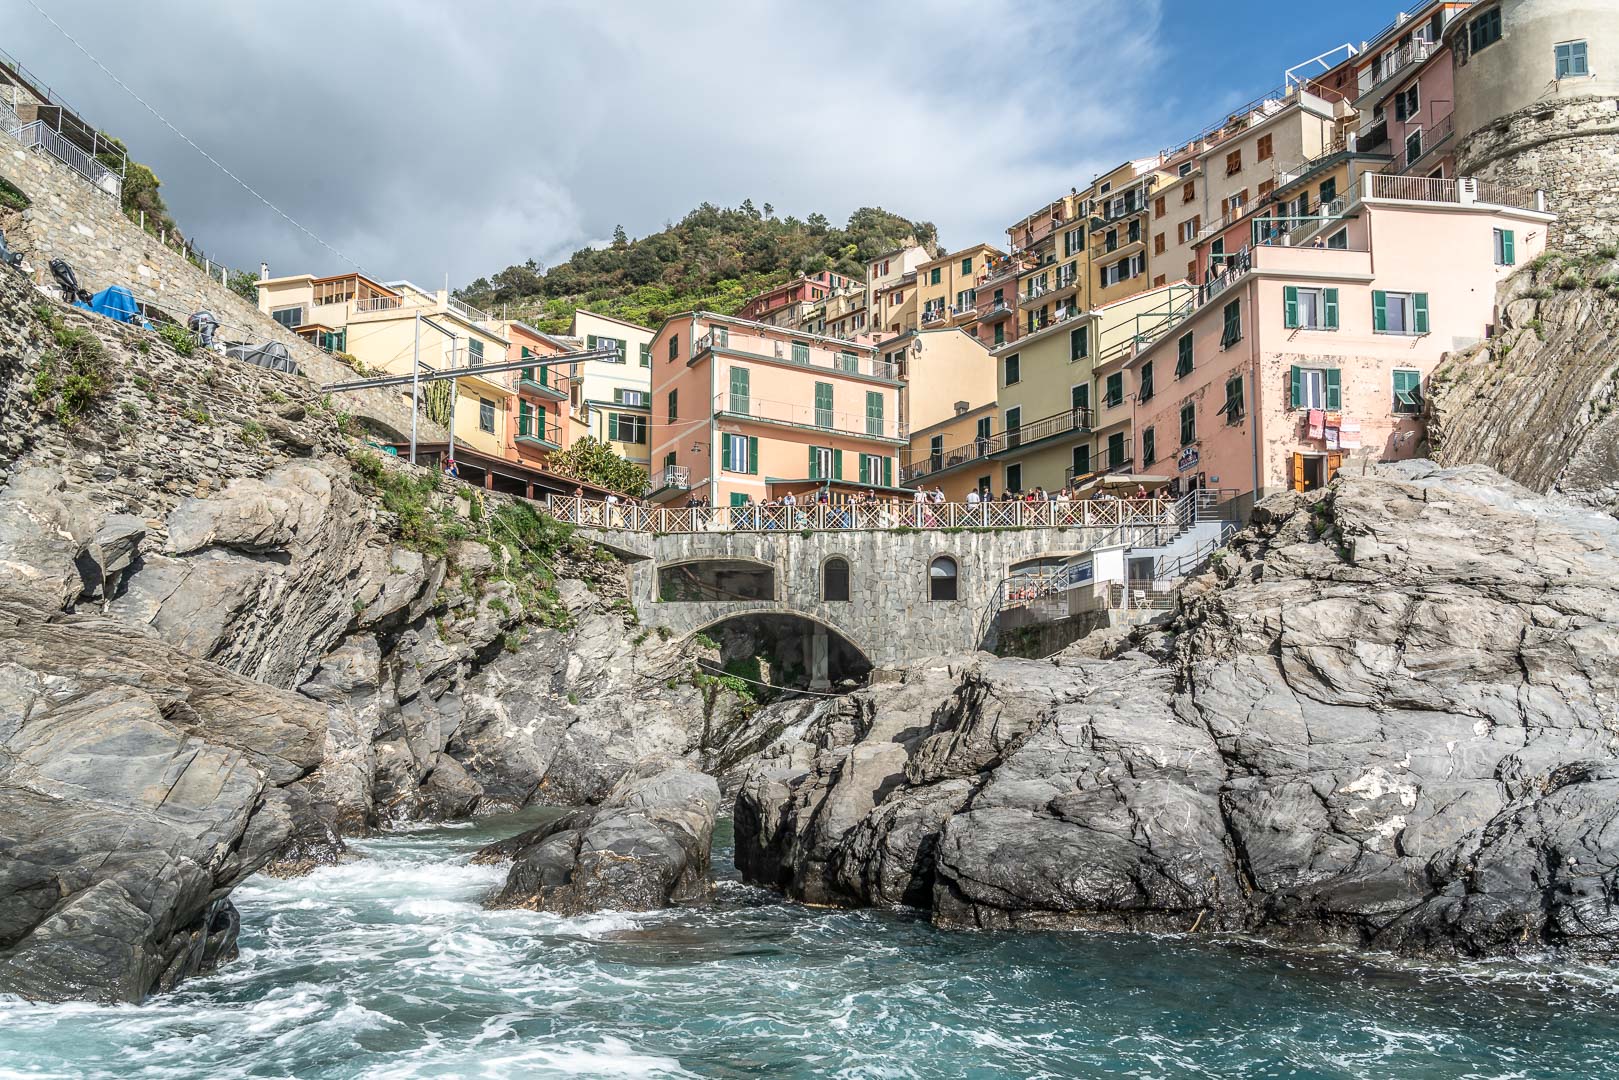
{"points": [[932, 316], [808, 417], [540, 382], [534, 430], [1428, 142], [1376, 77], [945, 460], [995, 312], [1043, 322], [847, 362], [671, 478], [369, 304], [466, 311], [1024, 435]]}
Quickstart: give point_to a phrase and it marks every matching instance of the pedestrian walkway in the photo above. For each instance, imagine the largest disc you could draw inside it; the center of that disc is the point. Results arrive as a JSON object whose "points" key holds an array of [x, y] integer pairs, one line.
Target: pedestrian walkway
{"points": [[838, 517]]}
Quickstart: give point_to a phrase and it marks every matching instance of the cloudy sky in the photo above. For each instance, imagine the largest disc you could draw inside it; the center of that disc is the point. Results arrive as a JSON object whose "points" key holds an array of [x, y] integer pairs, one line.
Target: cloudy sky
{"points": [[421, 138]]}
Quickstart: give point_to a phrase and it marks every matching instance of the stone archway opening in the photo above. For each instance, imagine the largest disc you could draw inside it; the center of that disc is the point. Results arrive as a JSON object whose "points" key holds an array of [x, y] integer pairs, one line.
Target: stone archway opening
{"points": [[787, 650]]}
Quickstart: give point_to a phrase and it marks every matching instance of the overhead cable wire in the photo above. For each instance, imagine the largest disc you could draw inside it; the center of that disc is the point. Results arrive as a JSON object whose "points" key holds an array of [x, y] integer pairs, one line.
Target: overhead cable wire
{"points": [[187, 140]]}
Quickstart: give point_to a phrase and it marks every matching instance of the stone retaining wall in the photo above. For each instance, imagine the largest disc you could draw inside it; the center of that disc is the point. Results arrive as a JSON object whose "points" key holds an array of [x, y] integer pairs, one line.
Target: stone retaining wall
{"points": [[1569, 148], [71, 220]]}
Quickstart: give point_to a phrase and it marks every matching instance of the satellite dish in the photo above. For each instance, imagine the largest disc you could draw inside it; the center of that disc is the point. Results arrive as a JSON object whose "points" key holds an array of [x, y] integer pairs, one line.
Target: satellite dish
{"points": [[916, 347]]}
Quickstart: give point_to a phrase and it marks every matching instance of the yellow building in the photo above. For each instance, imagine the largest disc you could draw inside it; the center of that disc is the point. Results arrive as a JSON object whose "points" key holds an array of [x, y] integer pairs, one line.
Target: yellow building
{"points": [[946, 287], [1120, 207], [387, 328], [1050, 401]]}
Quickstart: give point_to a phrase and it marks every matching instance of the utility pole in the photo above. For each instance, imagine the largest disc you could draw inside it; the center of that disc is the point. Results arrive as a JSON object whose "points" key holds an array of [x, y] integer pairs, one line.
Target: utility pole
{"points": [[415, 383]]}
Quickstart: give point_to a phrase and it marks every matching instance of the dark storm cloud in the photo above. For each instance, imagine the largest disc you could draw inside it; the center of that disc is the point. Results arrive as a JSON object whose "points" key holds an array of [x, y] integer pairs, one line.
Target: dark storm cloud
{"points": [[424, 139]]}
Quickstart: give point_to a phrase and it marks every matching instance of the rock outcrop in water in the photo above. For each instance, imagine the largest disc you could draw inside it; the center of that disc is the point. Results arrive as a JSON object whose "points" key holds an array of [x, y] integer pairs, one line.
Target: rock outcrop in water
{"points": [[645, 847], [137, 786], [232, 637], [1390, 718]]}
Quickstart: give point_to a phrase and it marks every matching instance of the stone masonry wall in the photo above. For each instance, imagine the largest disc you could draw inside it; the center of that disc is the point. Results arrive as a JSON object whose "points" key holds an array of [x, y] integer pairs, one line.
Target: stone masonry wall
{"points": [[71, 220], [889, 616], [1570, 149]]}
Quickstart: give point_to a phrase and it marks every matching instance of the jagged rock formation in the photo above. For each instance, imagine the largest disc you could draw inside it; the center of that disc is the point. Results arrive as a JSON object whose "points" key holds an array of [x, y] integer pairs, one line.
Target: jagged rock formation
{"points": [[645, 847], [1390, 717], [1539, 401], [137, 786], [234, 638]]}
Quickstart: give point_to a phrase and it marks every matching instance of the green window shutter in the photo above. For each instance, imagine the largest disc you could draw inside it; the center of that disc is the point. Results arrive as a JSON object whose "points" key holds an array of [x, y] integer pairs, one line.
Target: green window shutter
{"points": [[753, 454], [1334, 390], [590, 341], [1329, 306], [1183, 361], [646, 355], [966, 266], [865, 468], [823, 404], [739, 390], [837, 464], [1419, 304], [1290, 306], [1380, 310], [1509, 255], [612, 427], [888, 472], [1296, 381], [814, 473], [874, 413]]}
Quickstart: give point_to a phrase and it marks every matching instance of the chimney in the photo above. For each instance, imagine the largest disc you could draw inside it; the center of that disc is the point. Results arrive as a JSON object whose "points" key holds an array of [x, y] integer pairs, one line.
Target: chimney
{"points": [[264, 271], [961, 408]]}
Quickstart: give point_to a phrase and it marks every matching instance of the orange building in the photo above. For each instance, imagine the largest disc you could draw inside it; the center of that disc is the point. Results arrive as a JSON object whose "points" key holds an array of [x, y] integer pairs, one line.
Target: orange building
{"points": [[536, 421]]}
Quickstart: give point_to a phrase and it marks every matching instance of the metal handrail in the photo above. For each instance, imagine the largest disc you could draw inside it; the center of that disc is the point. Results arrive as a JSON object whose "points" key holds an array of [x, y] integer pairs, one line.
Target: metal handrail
{"points": [[1139, 520], [808, 416]]}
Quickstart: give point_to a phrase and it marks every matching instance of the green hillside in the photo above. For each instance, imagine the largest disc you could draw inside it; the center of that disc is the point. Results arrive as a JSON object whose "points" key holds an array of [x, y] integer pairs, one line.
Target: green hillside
{"points": [[713, 258]]}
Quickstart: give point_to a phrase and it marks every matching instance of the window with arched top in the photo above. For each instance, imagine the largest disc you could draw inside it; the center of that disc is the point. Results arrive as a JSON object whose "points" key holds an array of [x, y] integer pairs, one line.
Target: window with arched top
{"points": [[942, 578], [835, 580]]}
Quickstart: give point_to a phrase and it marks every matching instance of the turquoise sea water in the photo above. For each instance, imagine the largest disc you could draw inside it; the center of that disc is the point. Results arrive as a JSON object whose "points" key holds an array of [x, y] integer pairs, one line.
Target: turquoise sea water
{"points": [[389, 967]]}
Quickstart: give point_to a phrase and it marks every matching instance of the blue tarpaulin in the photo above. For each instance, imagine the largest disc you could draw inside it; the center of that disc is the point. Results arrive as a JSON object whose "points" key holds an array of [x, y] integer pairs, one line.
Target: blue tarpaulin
{"points": [[116, 302]]}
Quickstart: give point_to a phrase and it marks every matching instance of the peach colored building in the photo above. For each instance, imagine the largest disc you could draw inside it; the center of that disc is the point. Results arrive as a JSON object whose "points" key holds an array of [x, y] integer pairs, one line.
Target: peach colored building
{"points": [[537, 420], [744, 411], [786, 304], [1299, 359]]}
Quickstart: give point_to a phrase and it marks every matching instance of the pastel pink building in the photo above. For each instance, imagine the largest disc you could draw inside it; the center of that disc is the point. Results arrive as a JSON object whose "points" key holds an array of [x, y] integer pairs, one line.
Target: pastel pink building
{"points": [[1299, 358], [744, 411], [780, 306]]}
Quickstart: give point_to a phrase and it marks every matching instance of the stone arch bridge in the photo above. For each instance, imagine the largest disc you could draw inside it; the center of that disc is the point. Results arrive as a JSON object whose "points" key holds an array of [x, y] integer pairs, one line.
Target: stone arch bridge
{"points": [[690, 573]]}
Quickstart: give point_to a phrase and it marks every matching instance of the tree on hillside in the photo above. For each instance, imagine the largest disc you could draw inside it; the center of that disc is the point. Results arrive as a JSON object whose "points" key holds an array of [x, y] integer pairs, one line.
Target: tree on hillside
{"points": [[713, 258], [595, 462]]}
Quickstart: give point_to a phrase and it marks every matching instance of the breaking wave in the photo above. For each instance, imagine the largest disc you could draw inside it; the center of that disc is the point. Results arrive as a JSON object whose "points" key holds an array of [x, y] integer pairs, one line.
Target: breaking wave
{"points": [[389, 966]]}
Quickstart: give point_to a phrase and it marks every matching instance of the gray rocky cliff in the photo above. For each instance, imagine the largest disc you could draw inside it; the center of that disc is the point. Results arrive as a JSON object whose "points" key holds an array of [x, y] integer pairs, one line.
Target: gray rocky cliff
{"points": [[295, 639], [1390, 717], [1539, 401]]}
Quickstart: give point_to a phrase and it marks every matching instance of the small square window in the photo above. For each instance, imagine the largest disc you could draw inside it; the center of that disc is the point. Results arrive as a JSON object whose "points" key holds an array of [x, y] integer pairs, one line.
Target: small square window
{"points": [[1571, 60]]}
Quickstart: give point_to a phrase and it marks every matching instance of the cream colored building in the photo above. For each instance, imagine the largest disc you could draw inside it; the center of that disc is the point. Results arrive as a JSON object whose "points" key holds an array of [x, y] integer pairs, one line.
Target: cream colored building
{"points": [[388, 327], [611, 399], [1226, 171], [891, 290]]}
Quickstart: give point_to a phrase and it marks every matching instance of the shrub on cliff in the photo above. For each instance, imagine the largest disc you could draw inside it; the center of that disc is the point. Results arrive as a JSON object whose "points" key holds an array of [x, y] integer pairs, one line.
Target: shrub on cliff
{"points": [[595, 462]]}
